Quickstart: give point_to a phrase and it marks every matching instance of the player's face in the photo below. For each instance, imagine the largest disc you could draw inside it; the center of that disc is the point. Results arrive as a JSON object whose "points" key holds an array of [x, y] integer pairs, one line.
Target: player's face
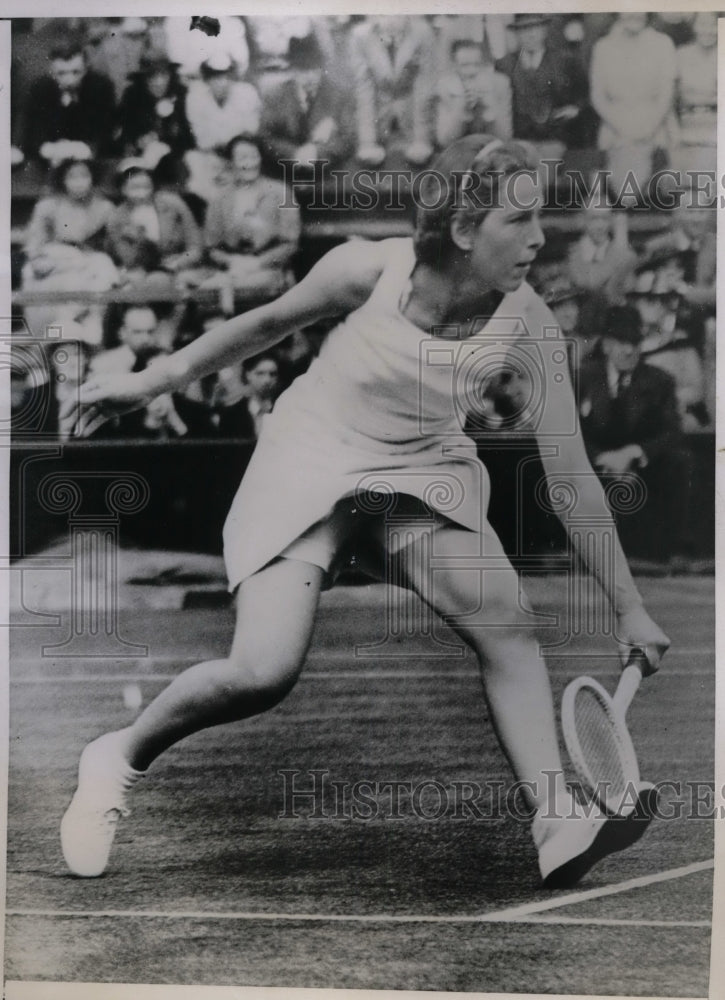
{"points": [[510, 236], [68, 73], [263, 379], [78, 181]]}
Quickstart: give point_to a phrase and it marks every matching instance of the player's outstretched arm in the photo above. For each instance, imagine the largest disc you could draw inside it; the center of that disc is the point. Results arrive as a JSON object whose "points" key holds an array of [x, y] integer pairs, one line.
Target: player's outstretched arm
{"points": [[591, 528], [339, 283]]}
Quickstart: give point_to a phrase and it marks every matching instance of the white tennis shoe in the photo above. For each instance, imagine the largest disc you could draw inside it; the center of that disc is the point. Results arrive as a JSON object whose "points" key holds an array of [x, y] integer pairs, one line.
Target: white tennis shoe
{"points": [[89, 824], [572, 840]]}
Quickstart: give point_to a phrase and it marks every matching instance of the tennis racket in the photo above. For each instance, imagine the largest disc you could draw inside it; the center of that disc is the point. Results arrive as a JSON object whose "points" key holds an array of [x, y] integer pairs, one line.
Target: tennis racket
{"points": [[597, 739]]}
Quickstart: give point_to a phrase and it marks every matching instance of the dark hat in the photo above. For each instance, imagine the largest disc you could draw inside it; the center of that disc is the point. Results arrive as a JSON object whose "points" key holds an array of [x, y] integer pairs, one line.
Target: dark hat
{"points": [[560, 290], [623, 323], [305, 53], [154, 61], [529, 20]]}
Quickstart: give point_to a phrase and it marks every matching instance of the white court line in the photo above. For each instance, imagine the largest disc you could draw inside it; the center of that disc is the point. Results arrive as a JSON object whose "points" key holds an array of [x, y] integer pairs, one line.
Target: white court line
{"points": [[327, 675], [343, 653], [612, 922], [361, 918], [310, 675], [582, 896], [525, 913]]}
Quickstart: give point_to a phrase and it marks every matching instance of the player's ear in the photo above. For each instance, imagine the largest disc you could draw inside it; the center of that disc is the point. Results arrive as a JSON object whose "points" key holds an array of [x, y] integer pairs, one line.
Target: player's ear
{"points": [[463, 231]]}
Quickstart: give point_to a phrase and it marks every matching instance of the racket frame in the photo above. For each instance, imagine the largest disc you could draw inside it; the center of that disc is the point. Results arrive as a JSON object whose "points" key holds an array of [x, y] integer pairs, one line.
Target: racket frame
{"points": [[614, 708]]}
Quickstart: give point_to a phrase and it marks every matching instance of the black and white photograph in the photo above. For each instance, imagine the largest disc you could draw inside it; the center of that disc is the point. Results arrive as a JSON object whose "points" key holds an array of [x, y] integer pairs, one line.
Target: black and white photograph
{"points": [[359, 423]]}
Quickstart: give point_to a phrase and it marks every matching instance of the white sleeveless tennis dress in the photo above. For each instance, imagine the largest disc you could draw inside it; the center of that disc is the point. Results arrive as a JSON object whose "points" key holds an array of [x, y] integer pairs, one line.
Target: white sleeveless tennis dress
{"points": [[377, 413]]}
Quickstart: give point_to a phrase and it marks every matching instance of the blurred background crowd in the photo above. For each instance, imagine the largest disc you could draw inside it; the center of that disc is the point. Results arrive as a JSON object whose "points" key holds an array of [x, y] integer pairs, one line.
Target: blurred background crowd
{"points": [[149, 200]]}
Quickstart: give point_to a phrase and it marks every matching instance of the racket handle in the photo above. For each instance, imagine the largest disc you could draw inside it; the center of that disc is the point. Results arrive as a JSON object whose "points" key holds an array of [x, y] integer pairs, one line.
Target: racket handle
{"points": [[630, 681]]}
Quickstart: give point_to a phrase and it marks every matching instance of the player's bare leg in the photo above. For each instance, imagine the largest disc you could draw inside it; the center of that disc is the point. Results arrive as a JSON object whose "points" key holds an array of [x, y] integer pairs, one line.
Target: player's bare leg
{"points": [[275, 618], [471, 584]]}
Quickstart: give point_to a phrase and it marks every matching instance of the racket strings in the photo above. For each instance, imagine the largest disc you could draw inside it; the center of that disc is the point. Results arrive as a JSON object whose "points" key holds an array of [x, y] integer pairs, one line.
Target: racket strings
{"points": [[599, 745]]}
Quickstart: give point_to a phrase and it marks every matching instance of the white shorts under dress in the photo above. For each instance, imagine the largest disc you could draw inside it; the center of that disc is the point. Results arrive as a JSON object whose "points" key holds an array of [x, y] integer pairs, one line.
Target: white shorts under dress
{"points": [[378, 415]]}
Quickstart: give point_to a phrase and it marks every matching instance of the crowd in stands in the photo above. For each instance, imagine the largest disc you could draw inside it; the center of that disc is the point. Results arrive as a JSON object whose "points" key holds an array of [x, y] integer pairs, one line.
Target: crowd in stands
{"points": [[157, 155]]}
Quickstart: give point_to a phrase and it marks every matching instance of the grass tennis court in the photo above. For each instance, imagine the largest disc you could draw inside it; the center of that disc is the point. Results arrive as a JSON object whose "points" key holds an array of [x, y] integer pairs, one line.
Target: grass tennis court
{"points": [[208, 885]]}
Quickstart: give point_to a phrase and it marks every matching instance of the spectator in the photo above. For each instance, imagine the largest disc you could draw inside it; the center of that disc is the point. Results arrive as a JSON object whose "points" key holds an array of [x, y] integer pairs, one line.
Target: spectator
{"points": [[75, 213], [473, 97], [63, 250], [600, 261], [252, 231], [693, 235], [452, 28], [666, 345], [564, 301], [240, 405], [631, 428], [172, 174], [160, 218], [548, 88], [393, 62], [218, 108], [306, 117], [632, 89], [72, 104], [139, 340], [696, 98], [116, 50], [153, 108], [190, 49], [677, 25], [272, 37]]}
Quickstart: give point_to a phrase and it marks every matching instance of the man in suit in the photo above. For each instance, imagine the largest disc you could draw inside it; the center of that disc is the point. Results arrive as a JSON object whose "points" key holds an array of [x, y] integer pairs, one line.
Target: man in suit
{"points": [[71, 103], [631, 428], [306, 118], [549, 88]]}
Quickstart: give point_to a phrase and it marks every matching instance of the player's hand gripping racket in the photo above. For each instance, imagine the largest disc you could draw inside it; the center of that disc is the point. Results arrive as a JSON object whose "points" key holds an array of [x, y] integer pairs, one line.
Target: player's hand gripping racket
{"points": [[597, 739]]}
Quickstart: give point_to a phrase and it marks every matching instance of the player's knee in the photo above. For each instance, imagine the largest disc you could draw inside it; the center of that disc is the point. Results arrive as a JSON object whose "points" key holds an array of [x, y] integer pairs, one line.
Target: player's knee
{"points": [[265, 681], [500, 618]]}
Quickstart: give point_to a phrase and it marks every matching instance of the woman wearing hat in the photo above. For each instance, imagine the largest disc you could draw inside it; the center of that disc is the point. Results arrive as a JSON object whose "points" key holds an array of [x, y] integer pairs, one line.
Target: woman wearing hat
{"points": [[153, 108], [364, 454], [218, 107]]}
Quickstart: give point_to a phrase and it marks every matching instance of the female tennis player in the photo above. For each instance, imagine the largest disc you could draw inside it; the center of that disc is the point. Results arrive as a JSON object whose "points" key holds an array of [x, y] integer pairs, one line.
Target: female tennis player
{"points": [[377, 415]]}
